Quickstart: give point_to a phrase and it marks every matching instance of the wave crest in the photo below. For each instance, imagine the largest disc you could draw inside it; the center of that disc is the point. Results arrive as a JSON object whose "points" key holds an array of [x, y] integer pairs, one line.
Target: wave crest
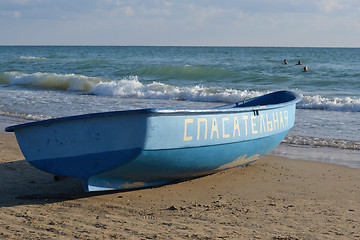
{"points": [[72, 82], [131, 87], [346, 104], [32, 58]]}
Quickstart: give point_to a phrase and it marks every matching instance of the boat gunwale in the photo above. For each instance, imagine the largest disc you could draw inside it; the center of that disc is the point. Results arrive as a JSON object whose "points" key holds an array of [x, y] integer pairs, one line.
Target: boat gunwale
{"points": [[232, 108]]}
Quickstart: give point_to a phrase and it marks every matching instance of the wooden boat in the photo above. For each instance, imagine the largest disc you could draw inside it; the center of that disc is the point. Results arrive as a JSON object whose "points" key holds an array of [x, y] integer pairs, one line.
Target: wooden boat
{"points": [[148, 147]]}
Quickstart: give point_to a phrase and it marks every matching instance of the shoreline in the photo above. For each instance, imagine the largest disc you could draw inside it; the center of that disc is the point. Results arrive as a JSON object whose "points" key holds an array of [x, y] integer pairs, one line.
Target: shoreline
{"points": [[273, 198]]}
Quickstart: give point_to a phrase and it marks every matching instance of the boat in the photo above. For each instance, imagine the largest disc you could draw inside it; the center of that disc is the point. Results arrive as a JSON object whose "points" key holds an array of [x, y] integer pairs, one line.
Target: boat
{"points": [[152, 147]]}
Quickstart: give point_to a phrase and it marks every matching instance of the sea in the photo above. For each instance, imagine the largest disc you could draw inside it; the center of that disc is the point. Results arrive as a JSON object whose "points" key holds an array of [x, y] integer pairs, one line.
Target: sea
{"points": [[42, 82]]}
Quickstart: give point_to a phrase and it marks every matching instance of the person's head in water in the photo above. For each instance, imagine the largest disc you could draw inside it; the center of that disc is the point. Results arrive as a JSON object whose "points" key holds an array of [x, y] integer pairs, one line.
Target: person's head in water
{"points": [[305, 69], [299, 63], [286, 62]]}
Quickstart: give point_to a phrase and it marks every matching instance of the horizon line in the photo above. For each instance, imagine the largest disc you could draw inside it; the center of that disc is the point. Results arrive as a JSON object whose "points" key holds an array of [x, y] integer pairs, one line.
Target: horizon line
{"points": [[230, 46]]}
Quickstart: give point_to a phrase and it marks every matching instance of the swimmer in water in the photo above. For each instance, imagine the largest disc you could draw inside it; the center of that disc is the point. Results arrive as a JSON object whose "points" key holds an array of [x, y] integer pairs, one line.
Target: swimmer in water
{"points": [[286, 62], [299, 63], [305, 69]]}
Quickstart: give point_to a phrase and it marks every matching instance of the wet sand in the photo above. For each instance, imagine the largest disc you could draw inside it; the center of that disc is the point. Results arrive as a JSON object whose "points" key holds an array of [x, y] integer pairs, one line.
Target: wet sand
{"points": [[273, 198]]}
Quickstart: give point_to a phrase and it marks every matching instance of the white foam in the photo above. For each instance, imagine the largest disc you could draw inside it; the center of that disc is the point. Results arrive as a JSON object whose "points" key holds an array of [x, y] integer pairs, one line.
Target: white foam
{"points": [[72, 82], [131, 87], [346, 104], [23, 116], [33, 58]]}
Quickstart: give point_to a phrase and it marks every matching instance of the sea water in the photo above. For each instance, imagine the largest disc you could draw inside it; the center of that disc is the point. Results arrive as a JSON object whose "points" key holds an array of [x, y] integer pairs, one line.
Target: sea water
{"points": [[42, 82]]}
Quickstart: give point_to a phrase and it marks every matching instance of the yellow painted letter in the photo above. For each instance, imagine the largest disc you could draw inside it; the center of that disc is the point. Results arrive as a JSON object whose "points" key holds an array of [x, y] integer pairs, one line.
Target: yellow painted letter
{"points": [[198, 127], [253, 125], [223, 128], [269, 124], [245, 118], [236, 126], [281, 120], [187, 121], [214, 128], [276, 120], [262, 123]]}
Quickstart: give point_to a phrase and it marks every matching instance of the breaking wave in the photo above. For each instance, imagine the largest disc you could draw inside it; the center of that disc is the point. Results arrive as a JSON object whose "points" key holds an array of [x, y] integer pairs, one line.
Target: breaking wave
{"points": [[70, 82], [346, 104], [32, 58], [131, 87]]}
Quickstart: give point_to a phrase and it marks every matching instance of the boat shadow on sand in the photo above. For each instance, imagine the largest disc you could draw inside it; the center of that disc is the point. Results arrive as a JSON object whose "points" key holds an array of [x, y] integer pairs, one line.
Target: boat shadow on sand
{"points": [[23, 184]]}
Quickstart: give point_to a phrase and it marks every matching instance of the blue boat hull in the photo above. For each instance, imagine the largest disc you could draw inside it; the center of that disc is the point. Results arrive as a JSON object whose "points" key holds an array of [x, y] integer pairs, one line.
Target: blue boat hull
{"points": [[165, 166], [147, 147]]}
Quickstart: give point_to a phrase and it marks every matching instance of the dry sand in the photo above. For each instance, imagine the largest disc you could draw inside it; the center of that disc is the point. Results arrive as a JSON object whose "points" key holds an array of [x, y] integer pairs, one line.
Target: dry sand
{"points": [[274, 198]]}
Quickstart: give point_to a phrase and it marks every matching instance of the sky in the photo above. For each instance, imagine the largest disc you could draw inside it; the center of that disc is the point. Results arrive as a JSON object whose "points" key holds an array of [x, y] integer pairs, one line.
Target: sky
{"points": [[286, 23]]}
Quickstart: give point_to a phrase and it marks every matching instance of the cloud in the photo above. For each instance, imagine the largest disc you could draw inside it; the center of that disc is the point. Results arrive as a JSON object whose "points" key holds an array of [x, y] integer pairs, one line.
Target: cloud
{"points": [[10, 14], [129, 11], [171, 22], [21, 2], [337, 5]]}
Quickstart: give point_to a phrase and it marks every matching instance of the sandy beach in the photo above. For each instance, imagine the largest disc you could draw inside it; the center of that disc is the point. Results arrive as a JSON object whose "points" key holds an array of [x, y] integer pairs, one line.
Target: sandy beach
{"points": [[274, 198]]}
